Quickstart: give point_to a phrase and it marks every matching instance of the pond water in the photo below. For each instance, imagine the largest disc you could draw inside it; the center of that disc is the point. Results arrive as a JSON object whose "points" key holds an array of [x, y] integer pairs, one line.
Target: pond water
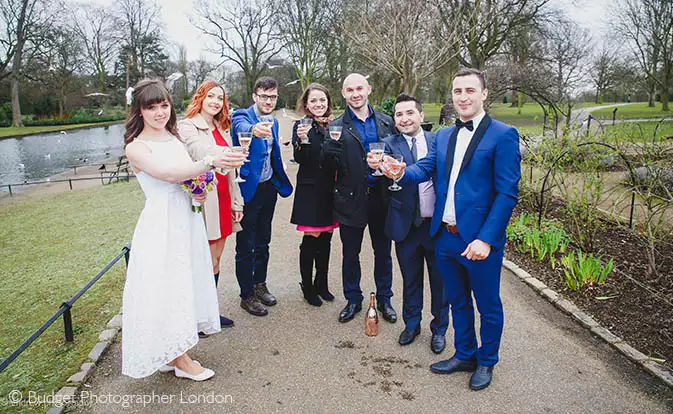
{"points": [[36, 157]]}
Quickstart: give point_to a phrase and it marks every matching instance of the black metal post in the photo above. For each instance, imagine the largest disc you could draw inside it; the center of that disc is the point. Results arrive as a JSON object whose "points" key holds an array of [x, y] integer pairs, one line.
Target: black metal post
{"points": [[10, 189], [589, 123], [633, 206], [127, 256], [70, 182], [614, 115], [67, 323]]}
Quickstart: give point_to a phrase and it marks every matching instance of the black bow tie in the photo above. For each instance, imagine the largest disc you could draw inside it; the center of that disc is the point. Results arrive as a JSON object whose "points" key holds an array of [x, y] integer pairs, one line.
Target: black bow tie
{"points": [[469, 124]]}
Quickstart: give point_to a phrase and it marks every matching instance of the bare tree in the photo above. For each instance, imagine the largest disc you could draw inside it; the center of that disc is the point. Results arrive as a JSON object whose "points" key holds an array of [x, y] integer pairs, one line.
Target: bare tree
{"points": [[404, 39], [485, 25], [25, 22], [243, 33], [199, 71], [62, 59], [604, 70], [647, 27], [304, 27], [140, 20], [95, 28]]}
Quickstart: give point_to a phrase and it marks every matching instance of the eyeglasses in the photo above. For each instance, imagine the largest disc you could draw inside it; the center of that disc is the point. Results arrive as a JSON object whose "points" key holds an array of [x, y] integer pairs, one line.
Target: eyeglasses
{"points": [[264, 97]]}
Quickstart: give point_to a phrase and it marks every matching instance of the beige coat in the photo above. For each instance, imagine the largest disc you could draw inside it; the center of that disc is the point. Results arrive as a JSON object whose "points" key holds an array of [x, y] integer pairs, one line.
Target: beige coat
{"points": [[199, 141]]}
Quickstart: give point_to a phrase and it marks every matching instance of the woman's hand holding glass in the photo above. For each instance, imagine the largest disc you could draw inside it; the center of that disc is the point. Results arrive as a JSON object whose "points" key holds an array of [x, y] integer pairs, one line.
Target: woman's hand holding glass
{"points": [[229, 159], [302, 130]]}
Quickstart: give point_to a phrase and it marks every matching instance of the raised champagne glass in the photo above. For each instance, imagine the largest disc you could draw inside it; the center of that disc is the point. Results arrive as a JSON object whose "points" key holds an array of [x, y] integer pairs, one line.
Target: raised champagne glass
{"points": [[241, 150], [244, 140], [305, 123], [335, 132], [378, 149], [394, 164]]}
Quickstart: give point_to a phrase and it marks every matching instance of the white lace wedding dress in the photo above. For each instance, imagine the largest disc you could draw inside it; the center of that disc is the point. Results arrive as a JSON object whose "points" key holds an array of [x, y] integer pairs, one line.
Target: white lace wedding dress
{"points": [[170, 292]]}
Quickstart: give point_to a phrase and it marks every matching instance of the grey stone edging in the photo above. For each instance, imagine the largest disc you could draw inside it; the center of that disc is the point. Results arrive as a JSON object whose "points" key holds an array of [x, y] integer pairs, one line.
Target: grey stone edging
{"points": [[75, 381], [654, 368]]}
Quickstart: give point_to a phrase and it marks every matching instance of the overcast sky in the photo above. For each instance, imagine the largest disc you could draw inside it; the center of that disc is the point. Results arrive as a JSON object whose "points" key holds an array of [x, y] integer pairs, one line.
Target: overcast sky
{"points": [[178, 29]]}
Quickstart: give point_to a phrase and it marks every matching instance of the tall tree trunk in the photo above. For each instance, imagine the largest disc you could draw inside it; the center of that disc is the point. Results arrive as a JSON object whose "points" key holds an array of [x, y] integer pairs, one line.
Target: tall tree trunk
{"points": [[16, 65]]}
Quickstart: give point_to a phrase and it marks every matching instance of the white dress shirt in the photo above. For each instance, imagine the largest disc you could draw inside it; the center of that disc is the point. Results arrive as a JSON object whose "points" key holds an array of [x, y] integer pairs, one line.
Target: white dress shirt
{"points": [[462, 142], [426, 191]]}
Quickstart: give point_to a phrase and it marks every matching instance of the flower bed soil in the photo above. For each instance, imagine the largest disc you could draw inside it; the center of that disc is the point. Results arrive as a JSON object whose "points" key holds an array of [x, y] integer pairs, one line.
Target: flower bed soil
{"points": [[638, 316]]}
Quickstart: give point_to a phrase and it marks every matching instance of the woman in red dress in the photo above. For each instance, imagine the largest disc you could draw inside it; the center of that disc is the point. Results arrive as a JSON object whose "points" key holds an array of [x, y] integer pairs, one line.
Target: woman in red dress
{"points": [[205, 131]]}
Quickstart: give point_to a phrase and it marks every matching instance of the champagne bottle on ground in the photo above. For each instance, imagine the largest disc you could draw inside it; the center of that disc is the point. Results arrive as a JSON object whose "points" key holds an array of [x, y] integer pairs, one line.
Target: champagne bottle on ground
{"points": [[372, 317]]}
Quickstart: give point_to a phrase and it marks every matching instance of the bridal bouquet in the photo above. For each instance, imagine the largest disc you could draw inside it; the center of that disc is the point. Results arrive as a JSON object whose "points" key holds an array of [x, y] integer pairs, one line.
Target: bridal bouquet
{"points": [[199, 185]]}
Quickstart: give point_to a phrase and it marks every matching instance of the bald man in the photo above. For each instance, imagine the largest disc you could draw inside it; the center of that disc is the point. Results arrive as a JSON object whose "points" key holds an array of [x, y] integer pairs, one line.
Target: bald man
{"points": [[360, 199]]}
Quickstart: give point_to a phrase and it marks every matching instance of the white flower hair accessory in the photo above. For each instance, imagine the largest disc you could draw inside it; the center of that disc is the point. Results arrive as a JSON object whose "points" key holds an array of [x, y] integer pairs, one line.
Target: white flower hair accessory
{"points": [[129, 95]]}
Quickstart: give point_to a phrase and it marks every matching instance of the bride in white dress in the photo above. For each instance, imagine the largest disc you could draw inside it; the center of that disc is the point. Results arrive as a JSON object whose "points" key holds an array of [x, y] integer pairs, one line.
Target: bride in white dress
{"points": [[170, 293]]}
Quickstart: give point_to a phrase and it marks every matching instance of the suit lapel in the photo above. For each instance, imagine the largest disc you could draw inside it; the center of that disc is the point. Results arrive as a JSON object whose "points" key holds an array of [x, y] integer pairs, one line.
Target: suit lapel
{"points": [[478, 134], [403, 148], [450, 150]]}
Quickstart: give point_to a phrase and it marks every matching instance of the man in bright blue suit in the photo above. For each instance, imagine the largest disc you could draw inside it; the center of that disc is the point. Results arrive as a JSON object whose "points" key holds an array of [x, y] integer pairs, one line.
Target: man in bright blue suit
{"points": [[408, 225], [265, 178], [475, 166]]}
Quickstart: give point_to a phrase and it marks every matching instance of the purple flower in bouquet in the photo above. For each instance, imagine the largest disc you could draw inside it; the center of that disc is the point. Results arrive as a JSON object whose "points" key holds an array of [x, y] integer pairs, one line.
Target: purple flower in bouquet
{"points": [[197, 186]]}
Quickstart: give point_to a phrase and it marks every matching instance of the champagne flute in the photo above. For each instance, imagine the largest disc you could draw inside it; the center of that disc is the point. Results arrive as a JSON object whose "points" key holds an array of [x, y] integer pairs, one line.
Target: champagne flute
{"points": [[378, 149], [268, 120], [244, 140], [394, 163], [306, 124], [335, 132], [240, 149]]}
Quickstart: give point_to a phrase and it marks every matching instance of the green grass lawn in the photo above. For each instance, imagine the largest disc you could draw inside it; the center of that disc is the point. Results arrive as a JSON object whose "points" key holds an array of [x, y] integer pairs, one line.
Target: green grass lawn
{"points": [[638, 110], [50, 247], [7, 132], [641, 131]]}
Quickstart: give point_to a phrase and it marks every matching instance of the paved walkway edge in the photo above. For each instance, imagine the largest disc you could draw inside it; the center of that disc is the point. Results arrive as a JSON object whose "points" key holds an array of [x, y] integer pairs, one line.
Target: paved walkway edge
{"points": [[639, 358], [74, 383]]}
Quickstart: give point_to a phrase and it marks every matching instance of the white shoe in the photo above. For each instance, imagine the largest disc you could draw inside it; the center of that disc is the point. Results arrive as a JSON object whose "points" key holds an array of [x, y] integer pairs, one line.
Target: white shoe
{"points": [[204, 375], [170, 368]]}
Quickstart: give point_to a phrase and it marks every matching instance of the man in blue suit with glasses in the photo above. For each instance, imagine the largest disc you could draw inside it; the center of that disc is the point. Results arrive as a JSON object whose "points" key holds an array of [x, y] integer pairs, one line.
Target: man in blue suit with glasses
{"points": [[265, 178], [475, 166]]}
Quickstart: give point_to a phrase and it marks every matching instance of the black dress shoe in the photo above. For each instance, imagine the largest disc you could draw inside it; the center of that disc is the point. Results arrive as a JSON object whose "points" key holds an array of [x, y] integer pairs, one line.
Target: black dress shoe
{"points": [[226, 322], [253, 306], [263, 294], [349, 312], [387, 312], [481, 378], [452, 365], [438, 343], [407, 336]]}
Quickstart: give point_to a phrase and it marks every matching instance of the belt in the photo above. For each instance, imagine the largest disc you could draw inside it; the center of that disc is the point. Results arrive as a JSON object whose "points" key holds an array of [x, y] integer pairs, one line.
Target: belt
{"points": [[450, 228], [425, 219]]}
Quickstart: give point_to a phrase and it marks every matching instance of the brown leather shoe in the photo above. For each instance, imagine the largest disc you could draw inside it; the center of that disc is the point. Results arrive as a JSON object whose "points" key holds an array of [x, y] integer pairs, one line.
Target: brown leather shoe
{"points": [[252, 305], [263, 294]]}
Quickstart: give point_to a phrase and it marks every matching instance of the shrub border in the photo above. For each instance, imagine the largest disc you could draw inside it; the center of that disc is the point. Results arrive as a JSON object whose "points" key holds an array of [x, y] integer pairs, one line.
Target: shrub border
{"points": [[661, 372]]}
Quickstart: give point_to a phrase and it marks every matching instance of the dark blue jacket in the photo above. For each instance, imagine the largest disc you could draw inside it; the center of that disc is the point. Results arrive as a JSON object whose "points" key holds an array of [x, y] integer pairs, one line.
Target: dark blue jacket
{"points": [[401, 210], [488, 184], [242, 121]]}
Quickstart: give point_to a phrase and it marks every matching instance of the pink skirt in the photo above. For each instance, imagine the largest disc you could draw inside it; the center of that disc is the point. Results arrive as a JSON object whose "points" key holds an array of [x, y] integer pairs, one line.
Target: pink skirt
{"points": [[311, 229]]}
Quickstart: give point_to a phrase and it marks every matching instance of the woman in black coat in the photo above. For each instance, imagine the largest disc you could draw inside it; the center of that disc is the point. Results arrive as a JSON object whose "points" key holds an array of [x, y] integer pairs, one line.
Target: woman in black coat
{"points": [[312, 208]]}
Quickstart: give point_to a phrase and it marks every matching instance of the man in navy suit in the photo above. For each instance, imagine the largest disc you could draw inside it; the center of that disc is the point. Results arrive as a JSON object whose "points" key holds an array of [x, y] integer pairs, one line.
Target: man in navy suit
{"points": [[265, 178], [408, 224], [476, 169]]}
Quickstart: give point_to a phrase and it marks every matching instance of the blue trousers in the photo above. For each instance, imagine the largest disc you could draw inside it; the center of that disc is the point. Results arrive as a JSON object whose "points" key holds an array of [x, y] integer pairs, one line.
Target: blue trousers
{"points": [[252, 242], [462, 279], [351, 239], [412, 253]]}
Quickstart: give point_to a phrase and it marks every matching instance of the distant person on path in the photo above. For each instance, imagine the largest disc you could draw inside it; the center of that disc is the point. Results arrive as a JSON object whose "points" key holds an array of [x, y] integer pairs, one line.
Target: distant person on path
{"points": [[359, 197], [475, 166], [168, 295], [312, 210], [205, 131], [408, 225], [265, 179]]}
